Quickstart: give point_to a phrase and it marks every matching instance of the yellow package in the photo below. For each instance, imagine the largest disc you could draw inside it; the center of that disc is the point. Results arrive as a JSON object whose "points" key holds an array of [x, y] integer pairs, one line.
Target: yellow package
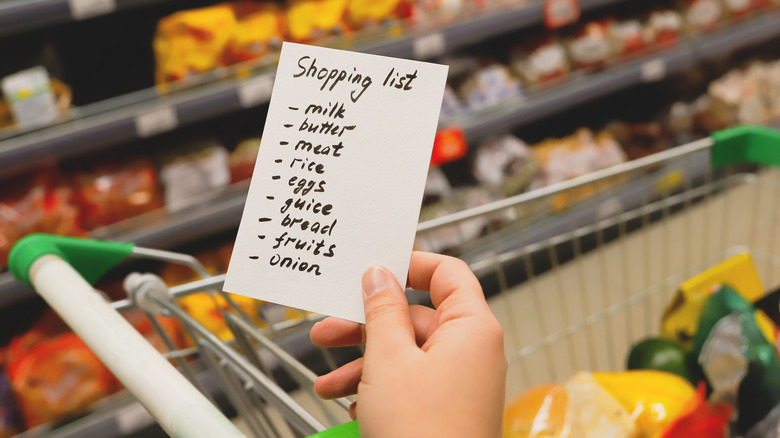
{"points": [[260, 27], [681, 317], [191, 42], [308, 20], [362, 12], [206, 310], [654, 399]]}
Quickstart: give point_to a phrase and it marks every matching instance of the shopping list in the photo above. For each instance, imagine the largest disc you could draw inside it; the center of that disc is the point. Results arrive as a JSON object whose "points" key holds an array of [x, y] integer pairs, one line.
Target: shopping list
{"points": [[339, 178]]}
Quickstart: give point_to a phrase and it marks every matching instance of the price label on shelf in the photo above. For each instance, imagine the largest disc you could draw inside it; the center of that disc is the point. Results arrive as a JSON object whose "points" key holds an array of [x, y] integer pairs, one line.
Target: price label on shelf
{"points": [[133, 418], [429, 46], [559, 13], [653, 70], [83, 9], [256, 91], [156, 122]]}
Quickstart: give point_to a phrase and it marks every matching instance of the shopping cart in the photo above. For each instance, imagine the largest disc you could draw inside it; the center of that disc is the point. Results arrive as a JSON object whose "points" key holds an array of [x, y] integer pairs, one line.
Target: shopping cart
{"points": [[575, 272]]}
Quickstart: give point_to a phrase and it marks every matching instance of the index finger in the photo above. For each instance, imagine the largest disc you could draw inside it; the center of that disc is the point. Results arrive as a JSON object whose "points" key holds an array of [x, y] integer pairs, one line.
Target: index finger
{"points": [[445, 278]]}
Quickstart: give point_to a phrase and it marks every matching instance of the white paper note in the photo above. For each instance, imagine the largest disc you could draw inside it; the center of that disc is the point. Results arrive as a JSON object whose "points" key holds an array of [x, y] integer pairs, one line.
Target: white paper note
{"points": [[339, 178]]}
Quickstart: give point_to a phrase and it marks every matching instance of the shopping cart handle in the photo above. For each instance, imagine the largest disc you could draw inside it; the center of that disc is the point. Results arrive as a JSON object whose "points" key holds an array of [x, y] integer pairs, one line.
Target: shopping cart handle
{"points": [[346, 430], [90, 257], [746, 144]]}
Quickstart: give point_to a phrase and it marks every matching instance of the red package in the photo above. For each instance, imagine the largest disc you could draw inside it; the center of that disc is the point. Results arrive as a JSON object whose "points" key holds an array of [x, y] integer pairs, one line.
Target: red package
{"points": [[628, 36], [58, 377], [664, 26], [35, 204], [114, 192], [703, 420]]}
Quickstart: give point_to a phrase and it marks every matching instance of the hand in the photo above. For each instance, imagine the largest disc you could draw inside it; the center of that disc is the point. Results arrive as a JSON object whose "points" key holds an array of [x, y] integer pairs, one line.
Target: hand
{"points": [[425, 372]]}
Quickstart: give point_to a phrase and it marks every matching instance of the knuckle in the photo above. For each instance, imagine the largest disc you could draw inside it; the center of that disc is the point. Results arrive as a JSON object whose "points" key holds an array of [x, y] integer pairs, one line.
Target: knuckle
{"points": [[382, 309]]}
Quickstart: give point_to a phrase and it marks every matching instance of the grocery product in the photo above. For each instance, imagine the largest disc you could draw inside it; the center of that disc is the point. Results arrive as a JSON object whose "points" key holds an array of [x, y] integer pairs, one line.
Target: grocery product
{"points": [[113, 191], [362, 13], [33, 98], [681, 317], [662, 355], [703, 15], [259, 28], [242, 160], [540, 412], [740, 363], [632, 404], [58, 377], [488, 86], [192, 41], [198, 168], [664, 27], [540, 61], [40, 202], [505, 165], [308, 20], [590, 46]]}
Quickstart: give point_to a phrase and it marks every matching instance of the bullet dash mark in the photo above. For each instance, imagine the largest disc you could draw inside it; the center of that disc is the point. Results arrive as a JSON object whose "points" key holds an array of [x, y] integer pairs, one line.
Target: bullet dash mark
{"points": [[275, 177], [293, 108], [260, 236], [278, 161], [288, 125], [254, 257], [270, 198], [284, 143], [264, 219]]}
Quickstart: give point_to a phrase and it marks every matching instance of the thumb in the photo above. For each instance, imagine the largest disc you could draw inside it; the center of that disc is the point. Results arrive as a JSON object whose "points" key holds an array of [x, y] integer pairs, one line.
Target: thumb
{"points": [[388, 321]]}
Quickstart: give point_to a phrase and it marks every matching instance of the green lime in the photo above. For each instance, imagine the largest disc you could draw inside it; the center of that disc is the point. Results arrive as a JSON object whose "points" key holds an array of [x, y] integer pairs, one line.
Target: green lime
{"points": [[662, 355]]}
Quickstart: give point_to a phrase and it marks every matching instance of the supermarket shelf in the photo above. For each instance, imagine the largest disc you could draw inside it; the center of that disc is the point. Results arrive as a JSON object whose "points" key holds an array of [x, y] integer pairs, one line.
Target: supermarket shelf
{"points": [[199, 104], [526, 109], [467, 32], [21, 15], [167, 231], [92, 130], [652, 67]]}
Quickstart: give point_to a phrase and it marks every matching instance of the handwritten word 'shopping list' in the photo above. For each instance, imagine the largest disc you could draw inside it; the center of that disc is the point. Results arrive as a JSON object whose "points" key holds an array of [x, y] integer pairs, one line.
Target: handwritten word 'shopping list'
{"points": [[339, 178]]}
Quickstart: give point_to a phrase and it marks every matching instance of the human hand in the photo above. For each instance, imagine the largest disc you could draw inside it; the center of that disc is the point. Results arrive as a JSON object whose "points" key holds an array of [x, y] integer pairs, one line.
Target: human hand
{"points": [[425, 372]]}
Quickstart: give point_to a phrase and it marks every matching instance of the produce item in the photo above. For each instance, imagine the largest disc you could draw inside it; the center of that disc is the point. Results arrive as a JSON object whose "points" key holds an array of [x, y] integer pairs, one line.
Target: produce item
{"points": [[242, 160], [308, 20], [662, 355], [540, 61], [539, 413], [207, 308], [199, 168], [111, 192], [681, 317], [740, 363], [640, 393], [56, 378], [192, 41], [260, 28], [37, 203], [635, 404], [505, 165]]}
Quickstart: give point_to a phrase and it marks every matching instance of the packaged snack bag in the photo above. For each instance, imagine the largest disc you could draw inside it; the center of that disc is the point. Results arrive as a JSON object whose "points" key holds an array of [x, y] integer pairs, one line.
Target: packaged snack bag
{"points": [[308, 20], [192, 41], [58, 377], [259, 29], [111, 192]]}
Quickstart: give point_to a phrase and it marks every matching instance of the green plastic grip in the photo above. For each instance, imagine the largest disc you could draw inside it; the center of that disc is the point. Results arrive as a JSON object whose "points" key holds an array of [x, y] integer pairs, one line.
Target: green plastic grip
{"points": [[346, 430], [746, 144], [90, 257]]}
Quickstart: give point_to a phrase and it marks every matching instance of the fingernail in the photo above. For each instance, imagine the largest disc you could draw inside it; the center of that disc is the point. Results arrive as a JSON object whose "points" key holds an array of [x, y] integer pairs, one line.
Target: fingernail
{"points": [[375, 279]]}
